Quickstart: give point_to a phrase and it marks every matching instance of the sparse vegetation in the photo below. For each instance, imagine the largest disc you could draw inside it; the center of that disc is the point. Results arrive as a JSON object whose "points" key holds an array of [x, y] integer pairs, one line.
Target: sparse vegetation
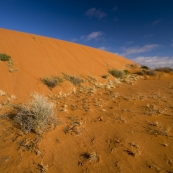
{"points": [[164, 69], [92, 79], [146, 72], [132, 66], [150, 73], [117, 73], [2, 93], [104, 76], [4, 57], [93, 157], [37, 116], [73, 79], [126, 72], [52, 81], [145, 67]]}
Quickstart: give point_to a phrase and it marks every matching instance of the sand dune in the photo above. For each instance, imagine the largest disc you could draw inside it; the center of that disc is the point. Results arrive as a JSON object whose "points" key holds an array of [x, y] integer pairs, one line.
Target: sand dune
{"points": [[112, 125], [37, 56]]}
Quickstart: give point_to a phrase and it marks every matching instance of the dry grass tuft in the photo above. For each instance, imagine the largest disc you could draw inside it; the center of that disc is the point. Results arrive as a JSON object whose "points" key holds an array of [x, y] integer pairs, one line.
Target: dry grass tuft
{"points": [[92, 157], [52, 81], [37, 116], [73, 79], [117, 73]]}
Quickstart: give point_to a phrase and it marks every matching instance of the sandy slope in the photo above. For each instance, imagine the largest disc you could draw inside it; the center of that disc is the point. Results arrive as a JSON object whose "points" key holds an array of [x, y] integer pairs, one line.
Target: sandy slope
{"points": [[37, 56]]}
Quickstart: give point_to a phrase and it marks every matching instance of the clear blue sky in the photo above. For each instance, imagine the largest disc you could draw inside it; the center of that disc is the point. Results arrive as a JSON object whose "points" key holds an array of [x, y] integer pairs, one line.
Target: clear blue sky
{"points": [[137, 29]]}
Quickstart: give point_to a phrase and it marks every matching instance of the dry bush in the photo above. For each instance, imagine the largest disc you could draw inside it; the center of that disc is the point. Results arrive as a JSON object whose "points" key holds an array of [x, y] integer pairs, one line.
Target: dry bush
{"points": [[4, 57], [93, 157], [52, 81], [150, 73], [73, 79], [104, 76], [37, 116], [126, 72], [164, 69], [117, 73], [146, 72]]}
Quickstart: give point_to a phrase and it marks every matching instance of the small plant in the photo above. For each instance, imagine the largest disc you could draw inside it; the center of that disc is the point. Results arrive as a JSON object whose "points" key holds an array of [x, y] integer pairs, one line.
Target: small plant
{"points": [[117, 73], [104, 76], [92, 79], [37, 116], [93, 157], [145, 67], [73, 79], [52, 81], [34, 38], [126, 72], [164, 69], [2, 93], [4, 57]]}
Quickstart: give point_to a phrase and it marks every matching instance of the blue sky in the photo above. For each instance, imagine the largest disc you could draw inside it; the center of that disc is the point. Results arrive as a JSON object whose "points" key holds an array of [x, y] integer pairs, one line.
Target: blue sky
{"points": [[139, 30]]}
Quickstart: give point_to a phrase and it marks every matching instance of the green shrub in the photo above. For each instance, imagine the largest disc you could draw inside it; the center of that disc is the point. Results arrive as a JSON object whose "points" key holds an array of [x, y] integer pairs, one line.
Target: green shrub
{"points": [[73, 79], [52, 81], [117, 73], [4, 57], [164, 69], [37, 116]]}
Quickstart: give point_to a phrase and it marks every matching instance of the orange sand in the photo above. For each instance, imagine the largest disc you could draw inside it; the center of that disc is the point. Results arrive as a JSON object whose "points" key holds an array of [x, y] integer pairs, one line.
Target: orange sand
{"points": [[37, 56], [127, 125]]}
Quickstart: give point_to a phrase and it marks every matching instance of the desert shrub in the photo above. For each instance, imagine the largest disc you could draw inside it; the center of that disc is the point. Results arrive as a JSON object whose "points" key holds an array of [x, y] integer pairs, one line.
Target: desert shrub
{"points": [[52, 81], [4, 57], [73, 79], [150, 73], [146, 72], [117, 73], [145, 67], [104, 76], [140, 73], [164, 69], [37, 116], [126, 72]]}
